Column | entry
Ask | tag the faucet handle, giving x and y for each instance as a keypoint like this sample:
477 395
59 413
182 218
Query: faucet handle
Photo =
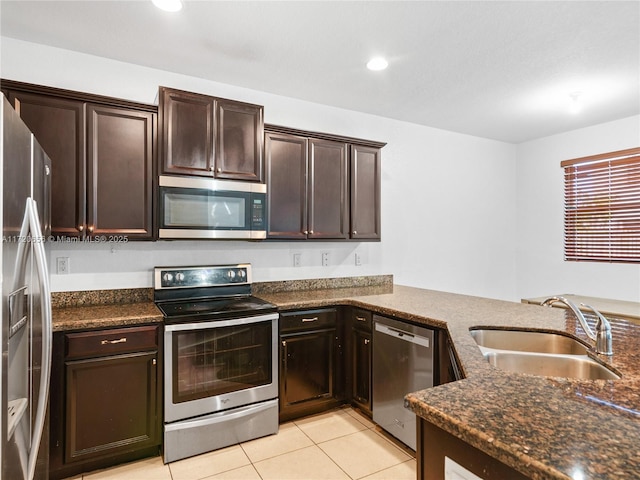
604 342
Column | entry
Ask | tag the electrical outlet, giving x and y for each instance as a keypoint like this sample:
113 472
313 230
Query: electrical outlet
358 259
297 259
62 265
325 259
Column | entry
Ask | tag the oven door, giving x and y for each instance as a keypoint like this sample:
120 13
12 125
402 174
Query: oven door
218 365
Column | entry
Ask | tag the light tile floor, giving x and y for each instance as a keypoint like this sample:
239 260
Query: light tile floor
340 444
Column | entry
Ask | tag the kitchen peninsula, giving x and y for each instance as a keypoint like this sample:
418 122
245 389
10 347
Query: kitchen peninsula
543 428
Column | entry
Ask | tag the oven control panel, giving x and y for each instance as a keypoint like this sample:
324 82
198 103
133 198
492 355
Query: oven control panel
207 276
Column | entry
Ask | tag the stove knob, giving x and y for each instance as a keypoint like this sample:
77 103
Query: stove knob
179 276
231 274
242 274
167 277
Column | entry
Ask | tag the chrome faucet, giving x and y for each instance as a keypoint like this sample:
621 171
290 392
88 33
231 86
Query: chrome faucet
602 337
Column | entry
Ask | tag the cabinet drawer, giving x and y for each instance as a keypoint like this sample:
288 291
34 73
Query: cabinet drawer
362 319
307 320
110 342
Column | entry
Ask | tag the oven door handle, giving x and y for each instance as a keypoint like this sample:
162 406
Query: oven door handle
179 327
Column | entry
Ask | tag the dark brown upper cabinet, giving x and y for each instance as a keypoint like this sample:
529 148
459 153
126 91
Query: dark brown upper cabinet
211 137
239 152
287 166
119 171
102 154
59 126
328 201
321 186
307 187
365 192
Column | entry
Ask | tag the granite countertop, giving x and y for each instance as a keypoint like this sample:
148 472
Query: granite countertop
546 428
103 309
104 316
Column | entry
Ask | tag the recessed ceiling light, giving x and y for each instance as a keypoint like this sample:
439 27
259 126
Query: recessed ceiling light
377 63
575 106
168 5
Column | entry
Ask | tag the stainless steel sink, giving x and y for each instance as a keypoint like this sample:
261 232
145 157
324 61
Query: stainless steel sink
550 365
539 353
525 341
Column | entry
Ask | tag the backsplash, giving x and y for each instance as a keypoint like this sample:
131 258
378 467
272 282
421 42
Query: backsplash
88 298
321 284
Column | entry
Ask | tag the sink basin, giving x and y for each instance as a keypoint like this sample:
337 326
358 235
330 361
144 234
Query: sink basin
524 341
550 365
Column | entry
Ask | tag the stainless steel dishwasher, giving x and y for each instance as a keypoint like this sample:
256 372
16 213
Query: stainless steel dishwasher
402 363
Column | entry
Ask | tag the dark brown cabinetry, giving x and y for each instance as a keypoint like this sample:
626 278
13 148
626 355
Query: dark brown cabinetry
434 444
361 349
310 358
307 185
211 137
105 398
119 171
102 156
365 192
321 186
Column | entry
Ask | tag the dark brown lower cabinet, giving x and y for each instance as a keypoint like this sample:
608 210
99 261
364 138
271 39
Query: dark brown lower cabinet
310 362
434 444
105 399
361 351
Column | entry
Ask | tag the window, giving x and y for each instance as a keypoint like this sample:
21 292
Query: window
602 207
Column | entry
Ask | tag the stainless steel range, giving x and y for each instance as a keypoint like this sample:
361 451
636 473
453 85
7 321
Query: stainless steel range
220 359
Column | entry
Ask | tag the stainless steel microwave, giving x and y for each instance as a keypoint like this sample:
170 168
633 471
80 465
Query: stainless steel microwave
203 208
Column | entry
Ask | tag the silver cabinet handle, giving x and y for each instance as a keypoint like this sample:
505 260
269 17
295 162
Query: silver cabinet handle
361 319
109 342
304 320
219 169
80 228
90 229
355 233
366 341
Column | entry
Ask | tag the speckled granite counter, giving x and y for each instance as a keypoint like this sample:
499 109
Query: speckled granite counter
103 309
546 428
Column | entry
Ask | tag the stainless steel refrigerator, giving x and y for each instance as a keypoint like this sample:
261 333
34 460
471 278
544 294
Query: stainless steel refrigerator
26 301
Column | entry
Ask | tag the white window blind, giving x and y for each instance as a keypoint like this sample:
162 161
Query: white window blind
602 207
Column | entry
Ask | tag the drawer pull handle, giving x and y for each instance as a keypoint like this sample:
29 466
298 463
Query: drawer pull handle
108 342
361 319
304 320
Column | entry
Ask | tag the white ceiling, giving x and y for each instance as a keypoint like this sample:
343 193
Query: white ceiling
500 70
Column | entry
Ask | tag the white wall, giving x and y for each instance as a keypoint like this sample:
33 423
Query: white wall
448 210
540 266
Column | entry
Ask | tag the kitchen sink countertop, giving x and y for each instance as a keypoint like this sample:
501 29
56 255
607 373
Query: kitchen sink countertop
544 427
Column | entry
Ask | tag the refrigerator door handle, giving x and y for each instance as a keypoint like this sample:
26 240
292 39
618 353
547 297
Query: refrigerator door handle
45 289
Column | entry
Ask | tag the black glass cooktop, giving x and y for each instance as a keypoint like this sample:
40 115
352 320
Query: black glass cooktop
214 308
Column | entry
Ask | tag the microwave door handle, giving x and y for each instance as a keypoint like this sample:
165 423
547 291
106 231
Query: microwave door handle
45 299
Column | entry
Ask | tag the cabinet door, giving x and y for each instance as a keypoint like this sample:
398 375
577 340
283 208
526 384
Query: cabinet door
361 364
365 192
307 367
328 189
286 165
112 405
120 172
59 126
240 129
188 127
